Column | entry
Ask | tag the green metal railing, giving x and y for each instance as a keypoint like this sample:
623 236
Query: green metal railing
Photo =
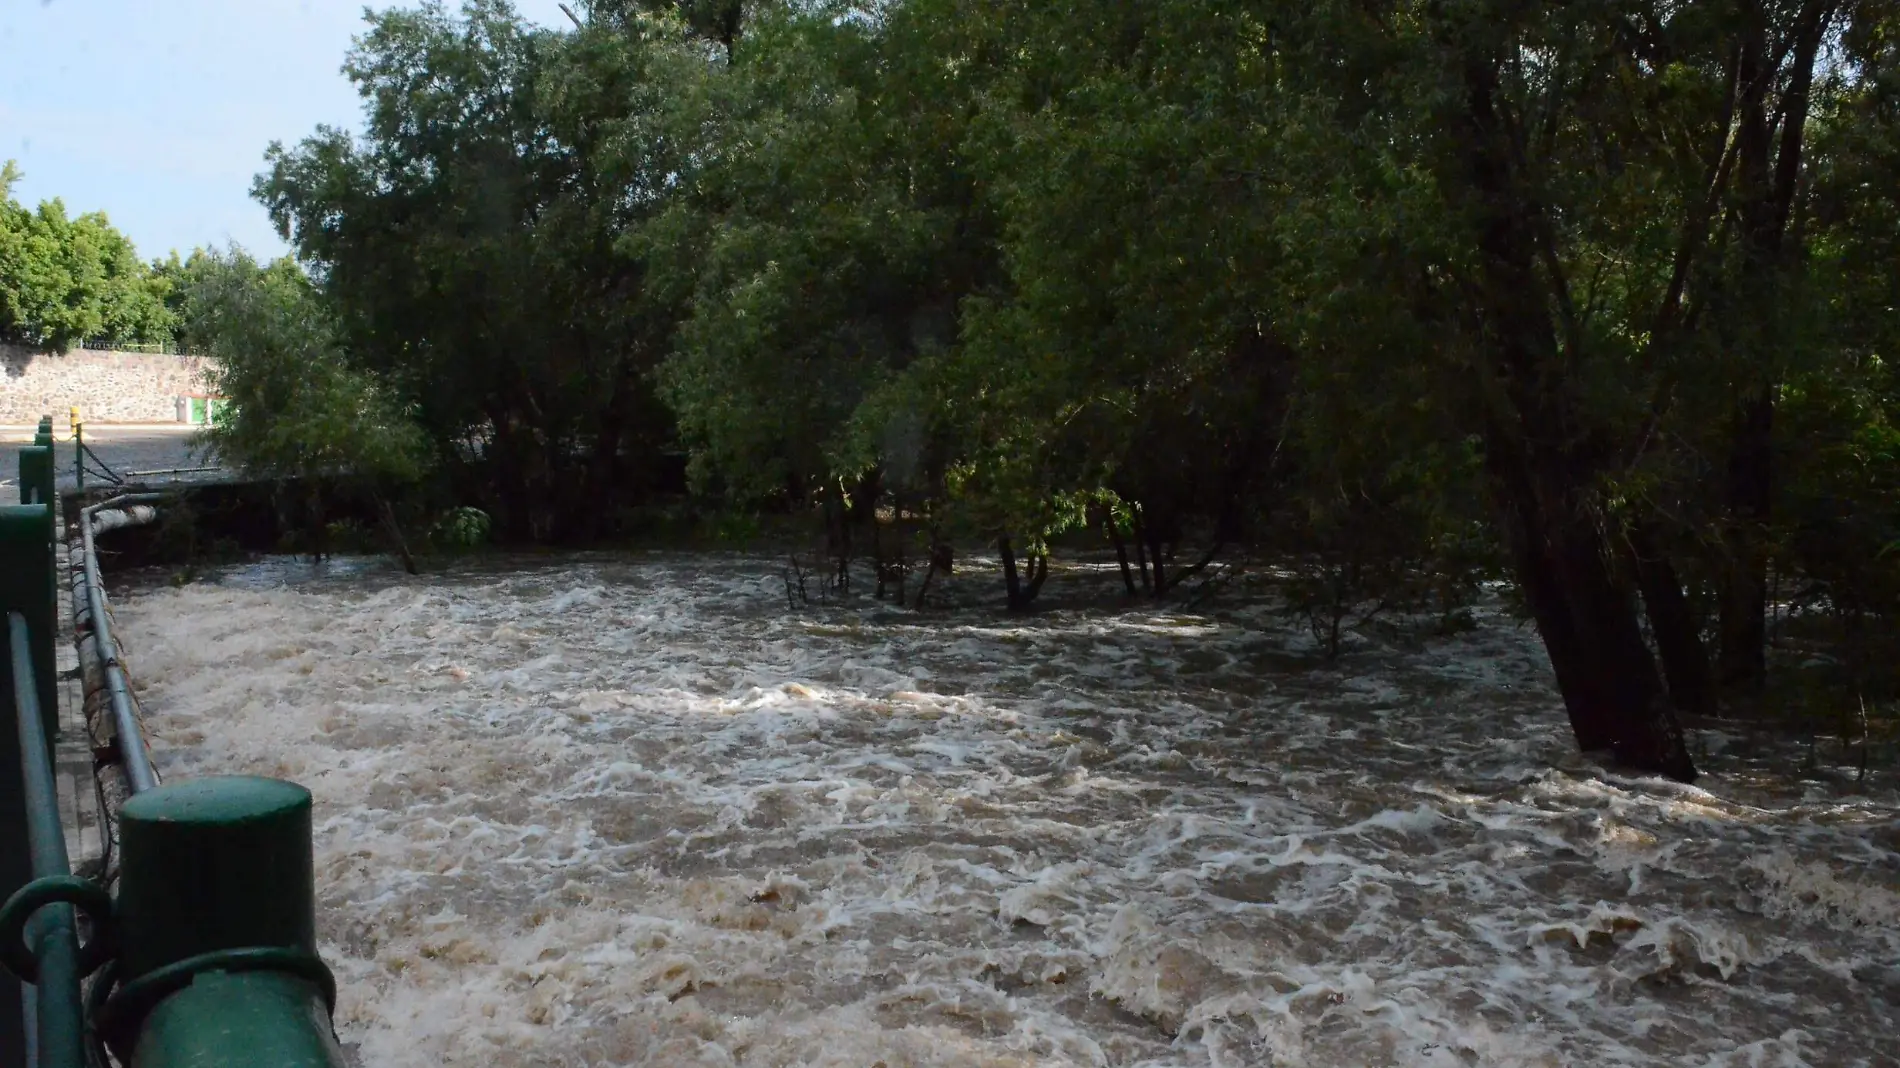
55 1030
206 955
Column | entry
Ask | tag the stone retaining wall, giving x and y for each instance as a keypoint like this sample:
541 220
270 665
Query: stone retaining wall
108 387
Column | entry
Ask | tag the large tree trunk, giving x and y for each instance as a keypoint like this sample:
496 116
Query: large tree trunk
319 523
1685 664
903 569
862 512
1742 600
504 457
1021 594
1540 577
1544 458
1767 176
1743 604
603 477
1038 574
942 558
1121 554
879 567
1012 584
837 536
1605 673
1148 539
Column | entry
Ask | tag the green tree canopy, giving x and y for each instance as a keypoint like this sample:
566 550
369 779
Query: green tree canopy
295 404
64 280
1607 288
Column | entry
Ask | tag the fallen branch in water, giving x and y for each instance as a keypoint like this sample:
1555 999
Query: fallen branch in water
1221 577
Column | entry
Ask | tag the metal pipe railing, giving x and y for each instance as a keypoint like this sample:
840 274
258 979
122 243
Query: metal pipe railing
56 1029
134 760
174 471
207 957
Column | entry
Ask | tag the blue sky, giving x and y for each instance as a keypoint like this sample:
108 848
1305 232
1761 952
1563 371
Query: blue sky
158 112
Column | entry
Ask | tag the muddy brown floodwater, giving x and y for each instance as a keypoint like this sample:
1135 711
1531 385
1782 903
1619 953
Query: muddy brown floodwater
632 810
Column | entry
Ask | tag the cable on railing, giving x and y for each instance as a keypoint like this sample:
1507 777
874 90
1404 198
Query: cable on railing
98 467
82 453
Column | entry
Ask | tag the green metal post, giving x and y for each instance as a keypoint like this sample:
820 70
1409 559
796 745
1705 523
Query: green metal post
61 1026
26 560
217 908
79 455
27 587
232 1019
42 439
36 474
16 862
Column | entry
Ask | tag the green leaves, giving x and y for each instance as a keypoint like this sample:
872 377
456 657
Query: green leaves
296 405
825 239
66 280
1325 275
479 246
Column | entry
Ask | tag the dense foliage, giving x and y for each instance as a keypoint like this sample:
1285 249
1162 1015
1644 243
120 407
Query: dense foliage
297 409
1599 294
67 280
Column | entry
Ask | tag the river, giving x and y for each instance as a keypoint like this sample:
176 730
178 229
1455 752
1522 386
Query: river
634 810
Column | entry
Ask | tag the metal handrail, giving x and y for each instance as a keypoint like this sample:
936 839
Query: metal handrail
174 471
134 759
57 1028
206 952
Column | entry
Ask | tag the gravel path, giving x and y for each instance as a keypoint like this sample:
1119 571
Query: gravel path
122 449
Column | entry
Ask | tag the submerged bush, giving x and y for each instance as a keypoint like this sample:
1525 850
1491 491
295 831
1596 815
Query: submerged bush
461 528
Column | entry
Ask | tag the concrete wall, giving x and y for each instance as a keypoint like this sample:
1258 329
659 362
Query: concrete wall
108 387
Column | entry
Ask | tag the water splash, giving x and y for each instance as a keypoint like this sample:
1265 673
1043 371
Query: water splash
631 811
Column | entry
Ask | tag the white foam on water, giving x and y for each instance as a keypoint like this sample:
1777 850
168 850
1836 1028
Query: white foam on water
1813 891
631 811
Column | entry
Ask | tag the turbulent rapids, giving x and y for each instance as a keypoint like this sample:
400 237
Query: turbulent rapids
633 811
